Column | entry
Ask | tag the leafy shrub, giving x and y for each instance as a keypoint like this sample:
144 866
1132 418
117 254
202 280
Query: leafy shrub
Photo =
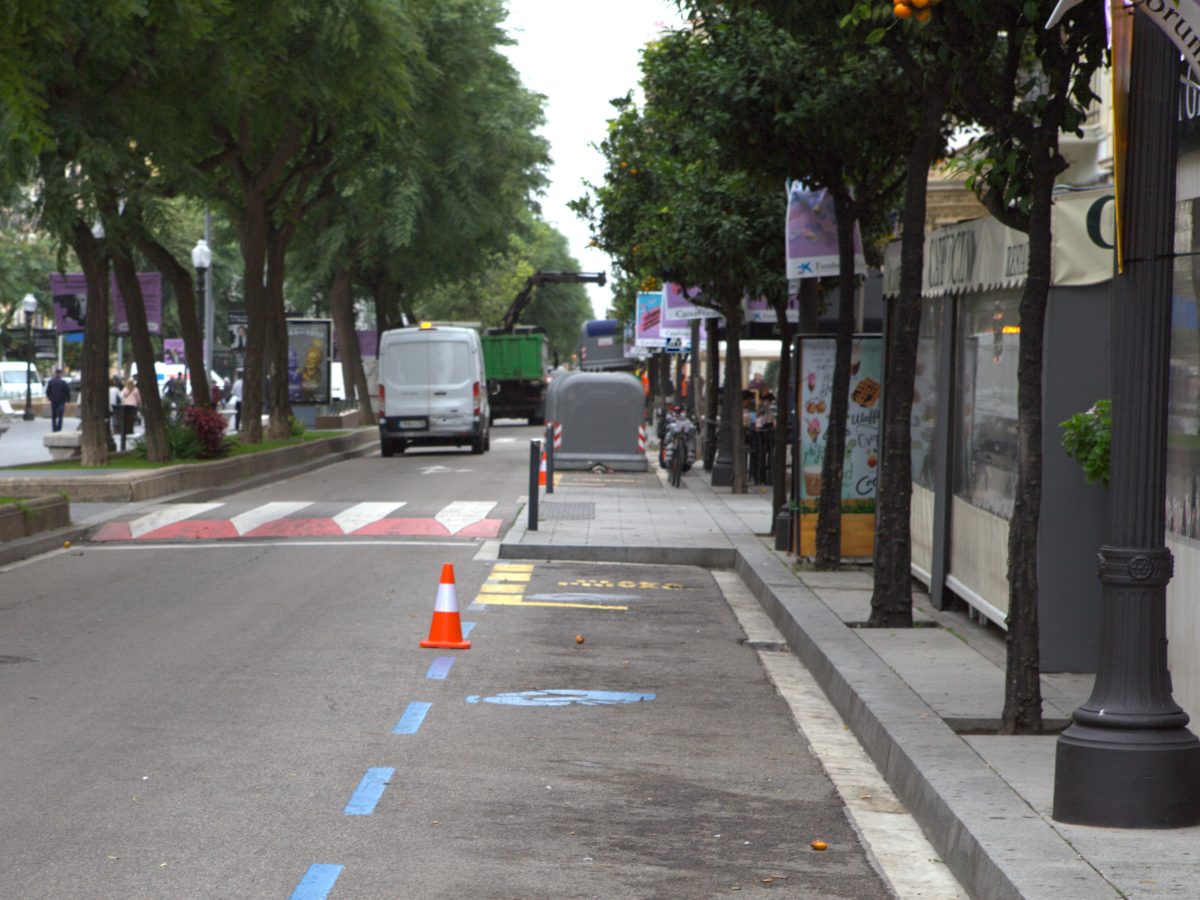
196 434
297 427
208 425
1087 438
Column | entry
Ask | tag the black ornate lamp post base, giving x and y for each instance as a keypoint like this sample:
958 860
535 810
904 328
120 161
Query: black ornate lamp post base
1121 778
1128 759
722 473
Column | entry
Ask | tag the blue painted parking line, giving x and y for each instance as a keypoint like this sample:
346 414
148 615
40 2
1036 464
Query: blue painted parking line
412 718
440 668
466 629
370 789
317 882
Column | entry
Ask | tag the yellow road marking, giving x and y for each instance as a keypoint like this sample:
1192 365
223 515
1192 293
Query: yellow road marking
501 600
512 567
488 588
500 577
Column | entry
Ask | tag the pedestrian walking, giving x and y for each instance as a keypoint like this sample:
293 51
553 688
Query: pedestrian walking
130 396
58 392
237 401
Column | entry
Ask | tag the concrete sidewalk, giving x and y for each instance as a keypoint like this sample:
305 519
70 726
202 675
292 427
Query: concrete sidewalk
921 701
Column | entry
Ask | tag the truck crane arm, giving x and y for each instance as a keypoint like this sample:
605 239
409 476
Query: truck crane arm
526 292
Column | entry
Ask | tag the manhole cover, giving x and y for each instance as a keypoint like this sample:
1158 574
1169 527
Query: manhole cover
566 510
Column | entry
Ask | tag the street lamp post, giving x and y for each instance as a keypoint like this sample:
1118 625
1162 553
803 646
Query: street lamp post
1128 759
202 261
29 304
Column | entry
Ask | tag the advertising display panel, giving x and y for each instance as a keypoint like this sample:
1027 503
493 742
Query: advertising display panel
308 360
70 295
816 357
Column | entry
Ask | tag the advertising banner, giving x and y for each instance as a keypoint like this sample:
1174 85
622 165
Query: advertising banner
761 311
308 360
648 320
70 295
680 306
817 358
812 247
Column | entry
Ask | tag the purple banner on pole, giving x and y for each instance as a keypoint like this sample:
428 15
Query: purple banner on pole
70 295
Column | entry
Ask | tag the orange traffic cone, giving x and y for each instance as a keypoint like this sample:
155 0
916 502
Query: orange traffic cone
542 471
445 632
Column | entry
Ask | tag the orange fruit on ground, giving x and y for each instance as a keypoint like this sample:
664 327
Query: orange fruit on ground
579 638
819 845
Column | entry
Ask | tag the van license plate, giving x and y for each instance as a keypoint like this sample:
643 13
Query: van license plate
412 423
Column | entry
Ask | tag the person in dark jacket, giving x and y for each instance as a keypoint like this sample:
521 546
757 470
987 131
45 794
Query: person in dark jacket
58 392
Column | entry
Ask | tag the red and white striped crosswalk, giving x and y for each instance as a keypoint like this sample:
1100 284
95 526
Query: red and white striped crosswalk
304 518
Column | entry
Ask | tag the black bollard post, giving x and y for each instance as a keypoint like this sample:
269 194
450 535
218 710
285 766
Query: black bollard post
535 458
549 457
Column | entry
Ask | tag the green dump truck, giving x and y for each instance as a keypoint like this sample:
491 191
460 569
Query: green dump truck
516 364
517 358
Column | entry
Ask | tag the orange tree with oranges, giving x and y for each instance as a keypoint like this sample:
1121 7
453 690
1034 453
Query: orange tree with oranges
798 96
1024 85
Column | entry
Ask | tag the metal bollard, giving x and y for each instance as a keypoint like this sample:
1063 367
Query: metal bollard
549 457
535 458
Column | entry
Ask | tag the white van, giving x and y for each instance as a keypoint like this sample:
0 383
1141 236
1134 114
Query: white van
432 389
12 381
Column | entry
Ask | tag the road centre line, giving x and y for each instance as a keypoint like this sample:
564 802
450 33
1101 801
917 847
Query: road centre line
317 882
368 792
412 718
440 668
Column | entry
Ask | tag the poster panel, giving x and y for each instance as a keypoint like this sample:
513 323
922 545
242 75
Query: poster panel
859 473
308 360
760 310
680 305
812 249
70 296
648 320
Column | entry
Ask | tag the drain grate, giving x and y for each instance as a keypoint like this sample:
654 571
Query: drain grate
566 510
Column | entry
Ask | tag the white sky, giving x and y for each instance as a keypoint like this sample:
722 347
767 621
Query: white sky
581 55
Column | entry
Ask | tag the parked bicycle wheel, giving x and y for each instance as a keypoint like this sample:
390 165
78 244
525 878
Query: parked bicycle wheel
679 452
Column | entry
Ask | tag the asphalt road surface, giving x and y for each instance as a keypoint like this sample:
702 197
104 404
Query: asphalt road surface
240 712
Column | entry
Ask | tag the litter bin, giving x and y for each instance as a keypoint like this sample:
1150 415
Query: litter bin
124 420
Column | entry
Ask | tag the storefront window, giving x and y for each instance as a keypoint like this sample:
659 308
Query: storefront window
989 336
924 407
1183 409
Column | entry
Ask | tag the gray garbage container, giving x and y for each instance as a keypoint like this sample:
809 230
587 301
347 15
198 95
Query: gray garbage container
601 414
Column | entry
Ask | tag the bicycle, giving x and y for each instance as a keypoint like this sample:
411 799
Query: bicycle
679 445
679 452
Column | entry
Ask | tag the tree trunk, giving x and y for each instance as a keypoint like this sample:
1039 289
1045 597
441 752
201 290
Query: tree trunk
733 386
280 426
253 240
93 401
183 286
341 306
712 406
829 516
157 448
891 599
782 405
1022 684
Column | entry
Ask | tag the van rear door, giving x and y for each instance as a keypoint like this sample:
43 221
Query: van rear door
406 383
450 380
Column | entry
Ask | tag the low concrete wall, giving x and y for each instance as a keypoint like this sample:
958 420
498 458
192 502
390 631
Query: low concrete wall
348 419
129 485
18 520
